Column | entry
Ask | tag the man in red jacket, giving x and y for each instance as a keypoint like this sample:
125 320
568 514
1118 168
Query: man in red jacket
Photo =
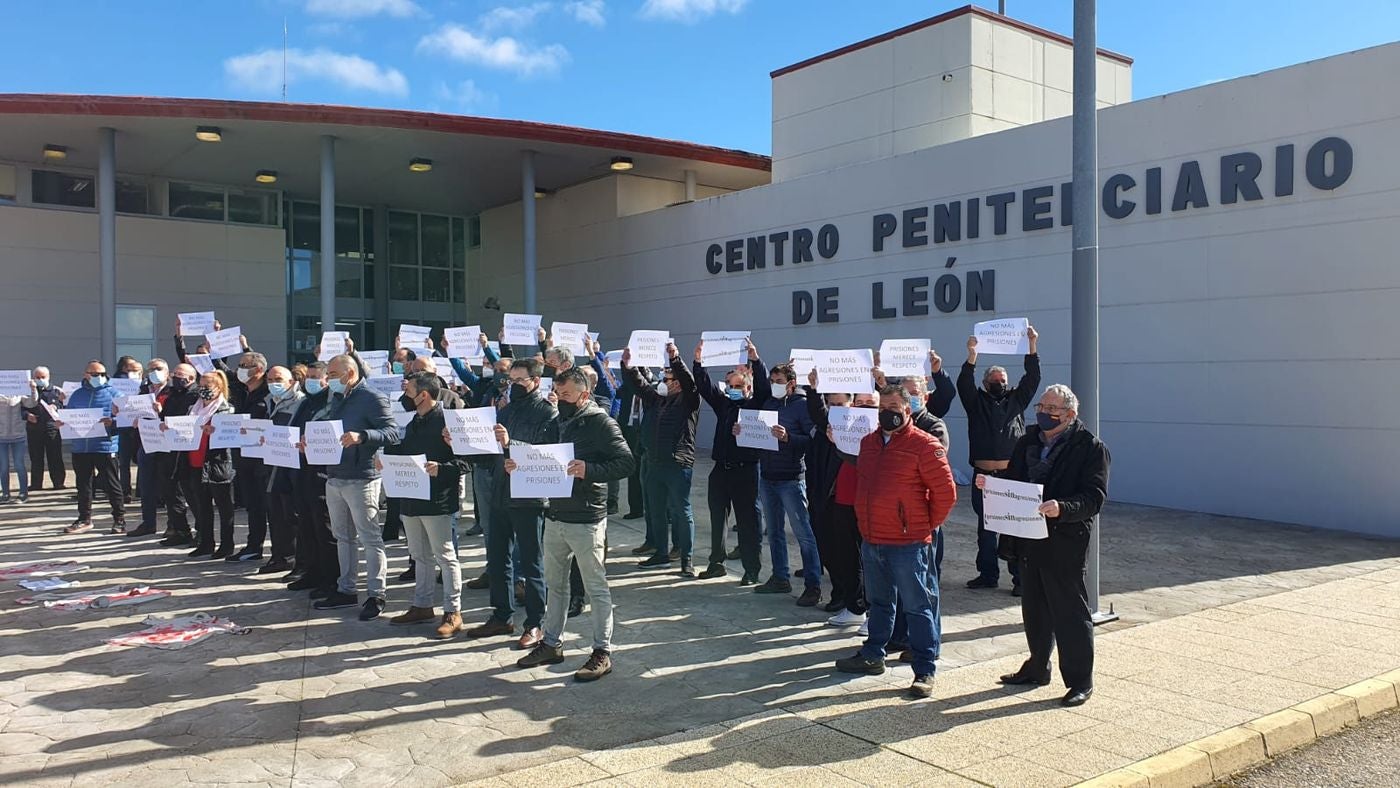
904 492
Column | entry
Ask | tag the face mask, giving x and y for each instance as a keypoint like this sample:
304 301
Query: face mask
41 383
179 384
155 377
662 390
407 403
1046 421
997 389
917 405
567 409
337 386
397 367
891 420
314 385
207 393
97 381
244 374
518 391
735 394
277 389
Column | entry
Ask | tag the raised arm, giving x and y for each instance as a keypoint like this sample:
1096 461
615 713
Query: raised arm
967 383
1029 382
709 391
634 378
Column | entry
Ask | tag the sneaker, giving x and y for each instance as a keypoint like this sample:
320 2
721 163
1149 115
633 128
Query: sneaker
982 581
24 498
687 570
415 615
575 607
810 597
655 561
748 580
599 664
775 585
6 499
834 606
846 619
543 654
859 664
713 571
275 566
373 608
336 600
246 554
491 628
450 625
478 583
145 530
117 529
675 554
922 686
645 548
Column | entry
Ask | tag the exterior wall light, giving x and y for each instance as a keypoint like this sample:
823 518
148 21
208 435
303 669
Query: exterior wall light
55 152
420 165
266 176
621 164
209 134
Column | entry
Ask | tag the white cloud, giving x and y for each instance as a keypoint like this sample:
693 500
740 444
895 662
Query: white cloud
512 17
589 12
359 9
467 96
689 10
261 72
504 53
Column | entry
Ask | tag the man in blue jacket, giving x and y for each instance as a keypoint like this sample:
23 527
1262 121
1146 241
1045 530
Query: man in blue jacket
96 457
782 489
352 487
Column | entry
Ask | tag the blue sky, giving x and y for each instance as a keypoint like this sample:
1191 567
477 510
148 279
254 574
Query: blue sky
685 69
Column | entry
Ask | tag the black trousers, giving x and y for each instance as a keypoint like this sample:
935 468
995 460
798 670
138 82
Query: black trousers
282 520
316 555
251 478
841 555
126 455
1055 603
168 488
635 494
393 521
735 486
102 470
204 498
45 445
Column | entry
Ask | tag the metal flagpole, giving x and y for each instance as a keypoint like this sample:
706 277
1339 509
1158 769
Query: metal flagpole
1084 302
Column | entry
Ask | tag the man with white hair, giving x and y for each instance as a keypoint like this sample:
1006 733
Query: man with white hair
1071 464
45 444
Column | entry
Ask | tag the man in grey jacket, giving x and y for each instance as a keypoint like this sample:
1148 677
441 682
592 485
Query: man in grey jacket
352 487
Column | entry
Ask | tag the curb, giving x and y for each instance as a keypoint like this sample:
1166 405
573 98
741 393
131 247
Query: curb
1232 750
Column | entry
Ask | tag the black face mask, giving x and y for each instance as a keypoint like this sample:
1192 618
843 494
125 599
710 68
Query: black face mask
407 403
518 391
891 420
567 409
179 384
207 392
997 389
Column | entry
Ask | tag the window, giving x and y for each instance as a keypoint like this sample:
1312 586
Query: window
61 188
459 245
251 206
136 332
436 251
188 201
437 285
403 238
403 283
474 232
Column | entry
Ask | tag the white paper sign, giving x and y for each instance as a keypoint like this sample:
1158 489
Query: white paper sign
1005 337
333 343
445 370
756 429
406 476
473 431
724 348
125 387
901 358
280 447
614 358
130 409
376 360
228 430
463 341
540 471
201 362
70 386
14 383
592 336
801 362
79 423
390 386
252 437
196 324
225 343
648 348
1010 508
522 329
573 336
844 371
323 442
849 425
413 337
546 386
153 440
402 417
182 433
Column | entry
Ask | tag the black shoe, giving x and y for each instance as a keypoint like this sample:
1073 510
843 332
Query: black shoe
145 530
922 687
475 530
409 575
336 600
176 540
202 551
632 516
292 576
612 508
373 607
810 597
713 571
982 581
859 664
733 555
24 498
303 584
246 554
1023 677
226 552
645 548
1016 590
575 607
1077 697
321 592
748 580
655 561
834 606
687 570
675 554
799 572
478 583
274 566
775 585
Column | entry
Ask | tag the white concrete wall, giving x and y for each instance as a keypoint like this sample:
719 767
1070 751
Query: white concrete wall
1247 348
49 304
892 97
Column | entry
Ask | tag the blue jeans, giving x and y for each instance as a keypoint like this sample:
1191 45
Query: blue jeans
668 510
902 575
899 640
514 529
483 485
790 498
12 452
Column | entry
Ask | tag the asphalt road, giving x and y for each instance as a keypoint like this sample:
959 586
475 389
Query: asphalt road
1366 755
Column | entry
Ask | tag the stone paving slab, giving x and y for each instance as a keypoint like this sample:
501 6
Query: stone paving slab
1223 621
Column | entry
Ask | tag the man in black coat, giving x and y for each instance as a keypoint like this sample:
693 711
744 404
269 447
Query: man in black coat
578 526
45 444
317 563
1071 464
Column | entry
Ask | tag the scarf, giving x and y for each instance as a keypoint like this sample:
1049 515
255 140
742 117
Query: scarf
1038 468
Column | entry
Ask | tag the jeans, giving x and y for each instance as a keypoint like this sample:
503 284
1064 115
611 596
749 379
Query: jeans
523 528
902 574
126 454
790 498
668 511
735 486
429 541
102 468
483 486
585 543
354 507
987 563
900 639
12 453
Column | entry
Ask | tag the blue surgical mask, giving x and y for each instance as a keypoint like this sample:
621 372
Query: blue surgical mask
917 405
1046 421
735 394
41 383
337 386
397 367
155 377
97 381
314 385
277 389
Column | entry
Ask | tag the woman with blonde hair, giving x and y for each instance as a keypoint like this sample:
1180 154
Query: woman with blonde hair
206 474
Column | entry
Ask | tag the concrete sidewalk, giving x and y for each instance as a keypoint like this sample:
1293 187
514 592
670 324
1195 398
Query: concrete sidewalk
1224 621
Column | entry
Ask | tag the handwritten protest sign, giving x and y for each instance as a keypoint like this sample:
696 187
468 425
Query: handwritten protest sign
376 360
900 358
1010 508
1006 336
850 425
125 387
724 348
540 471
80 423
323 442
14 383
333 343
648 348
521 329
406 476
573 336
225 343
228 430
196 324
844 371
280 447
473 431
756 429
445 370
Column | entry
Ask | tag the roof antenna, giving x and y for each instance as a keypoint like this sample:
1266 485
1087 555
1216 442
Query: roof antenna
284 59
1001 7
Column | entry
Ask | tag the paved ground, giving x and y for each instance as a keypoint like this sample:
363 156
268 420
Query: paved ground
1366 756
1223 620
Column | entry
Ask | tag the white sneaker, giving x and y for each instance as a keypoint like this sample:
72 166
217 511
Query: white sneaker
864 630
846 619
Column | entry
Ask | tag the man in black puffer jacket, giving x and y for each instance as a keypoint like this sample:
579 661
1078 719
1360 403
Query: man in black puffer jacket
528 419
579 523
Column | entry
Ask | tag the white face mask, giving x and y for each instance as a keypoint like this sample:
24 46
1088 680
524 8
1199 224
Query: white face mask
244 374
661 388
132 375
